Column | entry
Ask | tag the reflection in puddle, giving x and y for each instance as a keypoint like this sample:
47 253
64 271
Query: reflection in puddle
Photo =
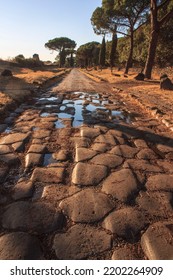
44 114
48 159
59 124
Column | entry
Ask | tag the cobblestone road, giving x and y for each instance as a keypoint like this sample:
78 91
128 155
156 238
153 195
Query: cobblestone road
85 175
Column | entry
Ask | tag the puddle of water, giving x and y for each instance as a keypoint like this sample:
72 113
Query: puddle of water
48 98
45 114
8 129
64 116
59 124
48 159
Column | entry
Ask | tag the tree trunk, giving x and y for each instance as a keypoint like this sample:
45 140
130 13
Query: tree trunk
113 50
151 54
130 57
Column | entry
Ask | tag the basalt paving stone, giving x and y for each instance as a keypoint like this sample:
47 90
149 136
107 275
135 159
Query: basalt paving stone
14 137
80 142
142 165
48 175
157 241
106 139
40 134
23 189
80 242
108 160
61 155
87 206
147 154
160 182
37 217
4 149
156 203
121 185
84 154
125 253
10 159
85 174
166 165
54 193
20 246
89 132
139 143
165 148
126 222
37 148
2 127
33 159
100 147
124 151
18 147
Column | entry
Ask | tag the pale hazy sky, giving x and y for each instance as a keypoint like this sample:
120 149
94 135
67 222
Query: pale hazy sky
26 25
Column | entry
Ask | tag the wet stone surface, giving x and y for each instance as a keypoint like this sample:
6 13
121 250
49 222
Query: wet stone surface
81 178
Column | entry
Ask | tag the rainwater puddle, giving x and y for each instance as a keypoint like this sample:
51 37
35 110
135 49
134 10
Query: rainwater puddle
59 124
44 114
48 159
8 129
52 98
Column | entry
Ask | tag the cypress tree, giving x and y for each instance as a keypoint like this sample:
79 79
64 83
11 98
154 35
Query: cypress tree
102 54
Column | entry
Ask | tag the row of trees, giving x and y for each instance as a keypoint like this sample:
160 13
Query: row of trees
126 17
139 22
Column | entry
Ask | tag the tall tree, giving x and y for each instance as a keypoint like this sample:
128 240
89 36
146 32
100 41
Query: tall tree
61 45
156 24
129 15
88 54
102 53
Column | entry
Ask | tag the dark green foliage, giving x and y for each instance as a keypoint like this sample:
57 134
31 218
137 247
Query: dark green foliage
62 45
102 54
88 54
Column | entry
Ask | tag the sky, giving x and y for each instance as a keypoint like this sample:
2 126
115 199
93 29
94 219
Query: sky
26 25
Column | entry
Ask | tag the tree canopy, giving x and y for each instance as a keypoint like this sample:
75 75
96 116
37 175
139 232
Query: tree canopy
62 45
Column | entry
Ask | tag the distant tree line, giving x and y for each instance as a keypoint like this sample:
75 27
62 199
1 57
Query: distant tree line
141 34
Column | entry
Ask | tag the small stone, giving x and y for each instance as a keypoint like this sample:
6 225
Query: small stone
89 132
40 134
166 165
126 222
105 139
121 185
139 143
164 148
100 147
124 151
142 165
48 175
125 253
108 160
14 137
147 154
86 206
88 174
56 193
4 149
37 148
84 154
161 182
33 159
19 246
37 217
157 241
18 147
62 155
156 203
23 189
80 242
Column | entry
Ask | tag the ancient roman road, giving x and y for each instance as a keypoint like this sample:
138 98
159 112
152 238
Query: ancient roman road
85 174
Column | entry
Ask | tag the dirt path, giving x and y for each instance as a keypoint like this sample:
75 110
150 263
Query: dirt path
85 176
77 81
